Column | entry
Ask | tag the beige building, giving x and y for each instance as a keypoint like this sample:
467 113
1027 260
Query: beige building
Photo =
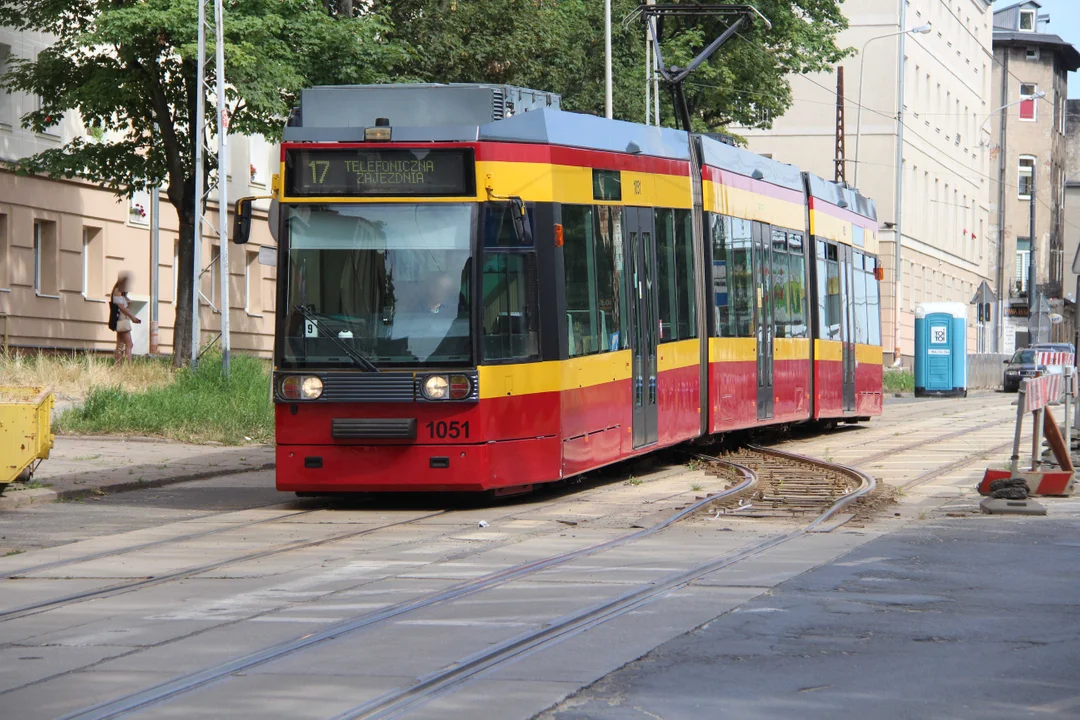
947 250
1072 207
1028 146
63 243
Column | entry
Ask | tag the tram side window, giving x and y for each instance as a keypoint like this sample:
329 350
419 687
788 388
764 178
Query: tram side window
797 286
720 228
862 333
781 313
741 278
684 262
829 310
665 271
873 301
510 316
732 280
579 260
610 285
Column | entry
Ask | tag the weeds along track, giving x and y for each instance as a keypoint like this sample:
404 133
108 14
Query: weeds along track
744 479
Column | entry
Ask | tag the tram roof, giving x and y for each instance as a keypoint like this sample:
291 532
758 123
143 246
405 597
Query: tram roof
833 193
559 127
744 162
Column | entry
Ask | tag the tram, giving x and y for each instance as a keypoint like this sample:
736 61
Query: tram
479 291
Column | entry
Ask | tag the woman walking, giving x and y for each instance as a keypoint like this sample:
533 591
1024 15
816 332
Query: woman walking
120 318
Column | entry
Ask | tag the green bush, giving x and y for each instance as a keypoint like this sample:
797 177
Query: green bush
896 381
197 406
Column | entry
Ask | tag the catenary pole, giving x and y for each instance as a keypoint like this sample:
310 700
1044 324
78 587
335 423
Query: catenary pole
223 181
607 59
200 121
899 230
155 249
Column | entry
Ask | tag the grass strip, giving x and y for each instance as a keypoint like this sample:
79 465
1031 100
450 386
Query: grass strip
898 380
197 406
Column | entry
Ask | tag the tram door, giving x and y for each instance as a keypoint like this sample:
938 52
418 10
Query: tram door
644 321
847 303
763 316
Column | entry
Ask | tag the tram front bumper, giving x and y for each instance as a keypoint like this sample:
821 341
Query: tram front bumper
417 468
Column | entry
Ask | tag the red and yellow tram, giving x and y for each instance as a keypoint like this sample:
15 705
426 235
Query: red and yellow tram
497 305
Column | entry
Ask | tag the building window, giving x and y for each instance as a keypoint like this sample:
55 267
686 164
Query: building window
1023 263
1025 177
139 208
175 270
5 280
252 284
1027 20
1033 54
46 259
259 155
7 108
1029 109
93 263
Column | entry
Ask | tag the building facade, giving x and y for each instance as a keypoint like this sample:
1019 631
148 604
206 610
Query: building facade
64 242
1072 210
946 249
1028 147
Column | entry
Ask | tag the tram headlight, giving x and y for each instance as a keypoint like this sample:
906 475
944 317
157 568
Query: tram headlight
301 387
311 388
436 387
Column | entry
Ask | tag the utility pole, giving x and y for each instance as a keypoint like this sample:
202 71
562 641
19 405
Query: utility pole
648 76
898 236
651 29
1033 272
200 191
607 59
155 249
223 181
841 161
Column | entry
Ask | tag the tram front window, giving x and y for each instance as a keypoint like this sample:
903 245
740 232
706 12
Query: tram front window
390 282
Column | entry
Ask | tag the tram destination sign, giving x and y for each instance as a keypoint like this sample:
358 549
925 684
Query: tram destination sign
378 172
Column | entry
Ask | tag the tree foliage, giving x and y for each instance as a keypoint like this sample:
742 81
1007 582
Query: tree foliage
558 45
128 69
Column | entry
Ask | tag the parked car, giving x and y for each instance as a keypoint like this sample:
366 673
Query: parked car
1018 367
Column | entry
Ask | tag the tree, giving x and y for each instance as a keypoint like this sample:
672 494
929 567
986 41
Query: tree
558 45
128 69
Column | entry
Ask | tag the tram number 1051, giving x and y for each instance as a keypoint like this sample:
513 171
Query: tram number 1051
443 430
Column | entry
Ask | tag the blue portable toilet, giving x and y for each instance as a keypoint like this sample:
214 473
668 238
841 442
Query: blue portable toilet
941 349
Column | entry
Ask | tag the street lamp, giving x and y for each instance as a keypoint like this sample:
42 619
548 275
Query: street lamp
1023 98
921 30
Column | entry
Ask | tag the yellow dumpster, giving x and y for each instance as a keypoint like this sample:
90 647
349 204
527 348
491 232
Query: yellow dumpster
25 431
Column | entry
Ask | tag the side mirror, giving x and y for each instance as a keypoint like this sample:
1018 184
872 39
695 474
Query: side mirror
520 217
1005 362
241 231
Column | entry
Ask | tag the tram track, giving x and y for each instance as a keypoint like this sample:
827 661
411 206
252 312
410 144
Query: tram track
188 683
144 582
52 565
572 624
445 680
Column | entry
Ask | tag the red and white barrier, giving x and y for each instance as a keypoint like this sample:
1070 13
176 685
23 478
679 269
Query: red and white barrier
1042 390
1049 357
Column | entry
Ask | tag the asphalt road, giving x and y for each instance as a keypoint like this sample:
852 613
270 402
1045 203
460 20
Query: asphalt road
972 618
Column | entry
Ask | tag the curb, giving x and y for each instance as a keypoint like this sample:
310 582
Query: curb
23 498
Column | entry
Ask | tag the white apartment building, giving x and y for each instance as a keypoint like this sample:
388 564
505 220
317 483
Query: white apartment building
947 250
63 243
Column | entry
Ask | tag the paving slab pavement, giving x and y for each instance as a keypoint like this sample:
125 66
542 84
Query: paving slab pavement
960 618
81 466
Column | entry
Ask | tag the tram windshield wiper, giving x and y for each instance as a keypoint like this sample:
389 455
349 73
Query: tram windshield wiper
352 352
